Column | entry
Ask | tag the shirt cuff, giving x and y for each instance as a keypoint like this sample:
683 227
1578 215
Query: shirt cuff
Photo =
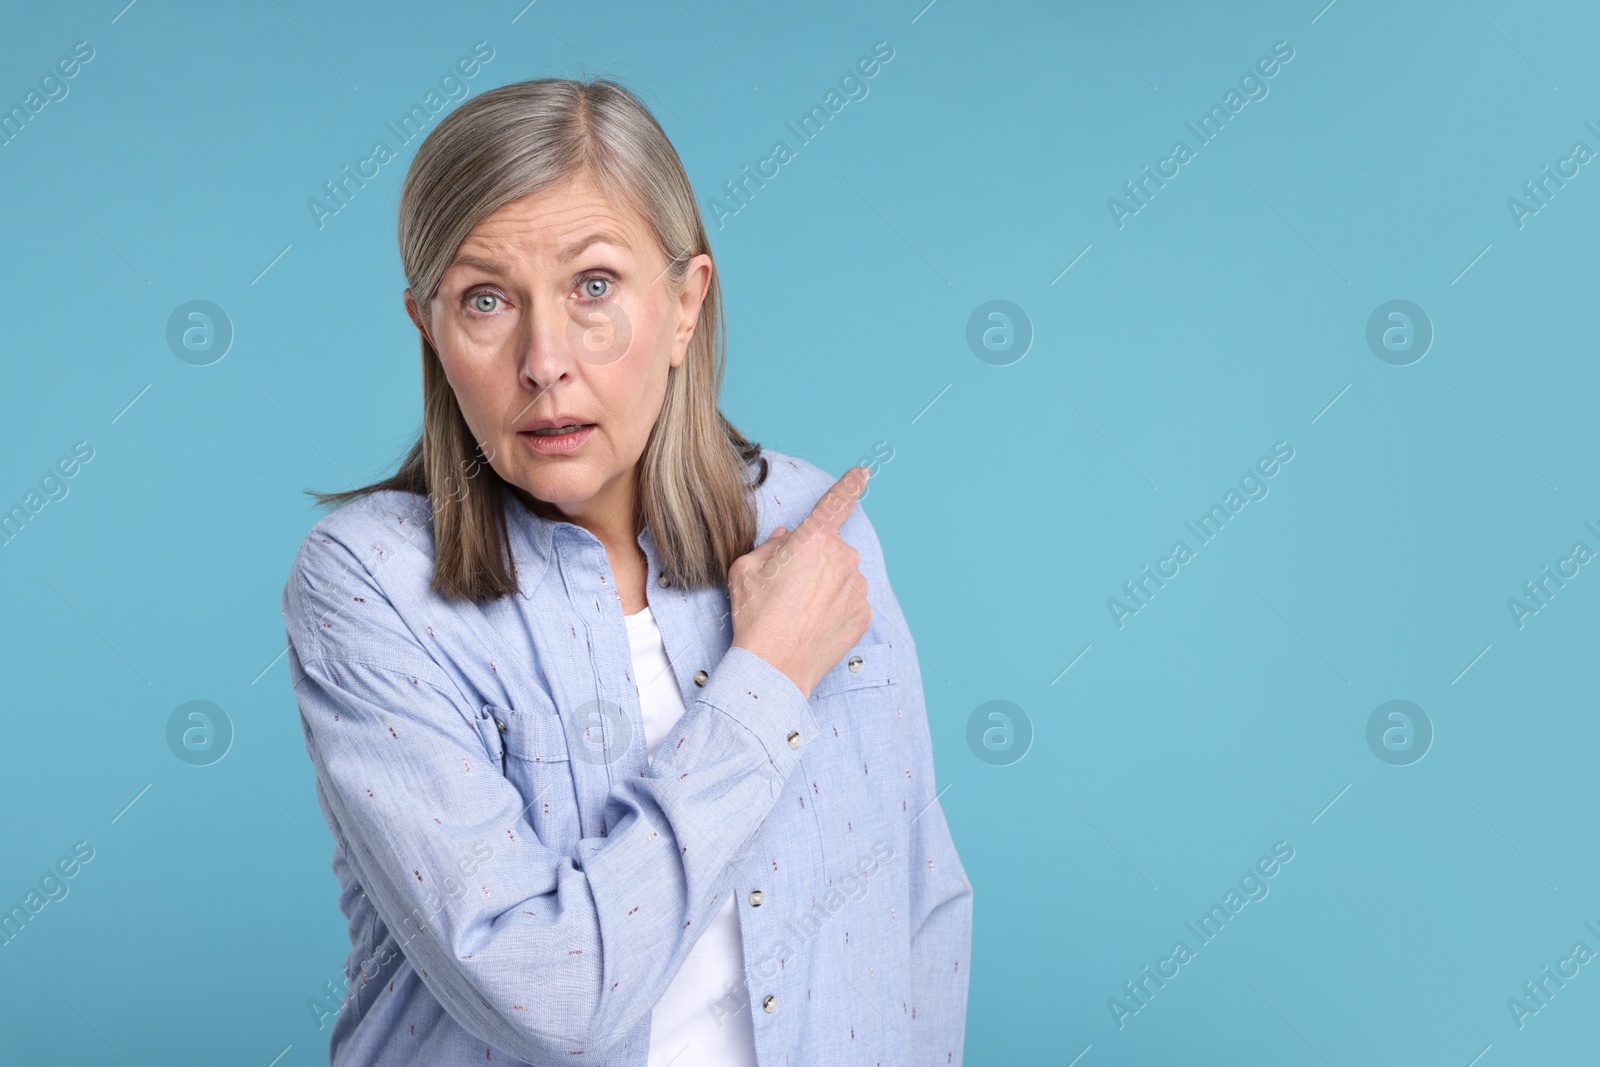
765 701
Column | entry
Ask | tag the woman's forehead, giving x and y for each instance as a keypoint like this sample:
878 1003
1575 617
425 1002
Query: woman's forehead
557 224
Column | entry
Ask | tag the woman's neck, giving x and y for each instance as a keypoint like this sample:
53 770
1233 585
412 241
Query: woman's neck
610 517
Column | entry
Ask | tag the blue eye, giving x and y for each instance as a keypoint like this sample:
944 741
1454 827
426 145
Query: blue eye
485 302
587 291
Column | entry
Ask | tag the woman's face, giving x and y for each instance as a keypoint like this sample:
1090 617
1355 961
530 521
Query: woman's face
556 311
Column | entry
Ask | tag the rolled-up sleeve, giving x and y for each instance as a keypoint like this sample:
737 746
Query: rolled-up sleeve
940 896
545 953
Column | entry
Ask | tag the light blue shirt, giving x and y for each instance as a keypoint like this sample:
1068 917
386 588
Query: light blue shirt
522 882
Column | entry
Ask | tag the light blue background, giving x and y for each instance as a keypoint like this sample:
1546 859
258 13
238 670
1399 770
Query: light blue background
1223 317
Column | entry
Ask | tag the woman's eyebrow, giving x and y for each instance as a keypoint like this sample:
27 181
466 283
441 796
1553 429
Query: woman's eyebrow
482 264
576 248
570 252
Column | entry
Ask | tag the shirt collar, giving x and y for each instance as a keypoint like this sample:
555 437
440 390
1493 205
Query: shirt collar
535 539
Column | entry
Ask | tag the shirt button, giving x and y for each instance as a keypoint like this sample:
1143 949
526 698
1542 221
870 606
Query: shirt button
501 724
663 581
769 1003
756 898
701 677
794 739
855 664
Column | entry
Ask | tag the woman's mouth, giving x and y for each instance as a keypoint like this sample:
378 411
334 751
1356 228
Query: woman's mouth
558 440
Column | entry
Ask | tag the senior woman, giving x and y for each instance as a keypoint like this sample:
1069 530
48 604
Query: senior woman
616 723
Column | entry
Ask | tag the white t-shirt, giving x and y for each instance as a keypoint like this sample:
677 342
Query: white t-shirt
685 1017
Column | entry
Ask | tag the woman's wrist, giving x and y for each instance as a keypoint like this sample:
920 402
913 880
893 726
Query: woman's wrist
782 663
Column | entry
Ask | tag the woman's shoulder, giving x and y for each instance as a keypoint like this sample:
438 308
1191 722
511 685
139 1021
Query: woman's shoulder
792 489
790 493
794 474
375 545
374 521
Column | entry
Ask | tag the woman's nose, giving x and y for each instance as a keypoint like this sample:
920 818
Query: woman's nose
546 345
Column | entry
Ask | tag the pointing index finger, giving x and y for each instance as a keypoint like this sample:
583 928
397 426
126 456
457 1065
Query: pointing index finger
835 505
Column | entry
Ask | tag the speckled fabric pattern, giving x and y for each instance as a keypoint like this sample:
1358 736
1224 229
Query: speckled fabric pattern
522 883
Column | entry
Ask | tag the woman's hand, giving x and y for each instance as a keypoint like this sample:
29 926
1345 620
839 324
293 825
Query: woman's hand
799 599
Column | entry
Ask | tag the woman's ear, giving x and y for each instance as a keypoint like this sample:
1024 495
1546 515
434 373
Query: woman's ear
416 317
690 297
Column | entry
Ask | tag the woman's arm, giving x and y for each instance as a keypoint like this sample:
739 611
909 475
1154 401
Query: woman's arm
545 954
941 898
